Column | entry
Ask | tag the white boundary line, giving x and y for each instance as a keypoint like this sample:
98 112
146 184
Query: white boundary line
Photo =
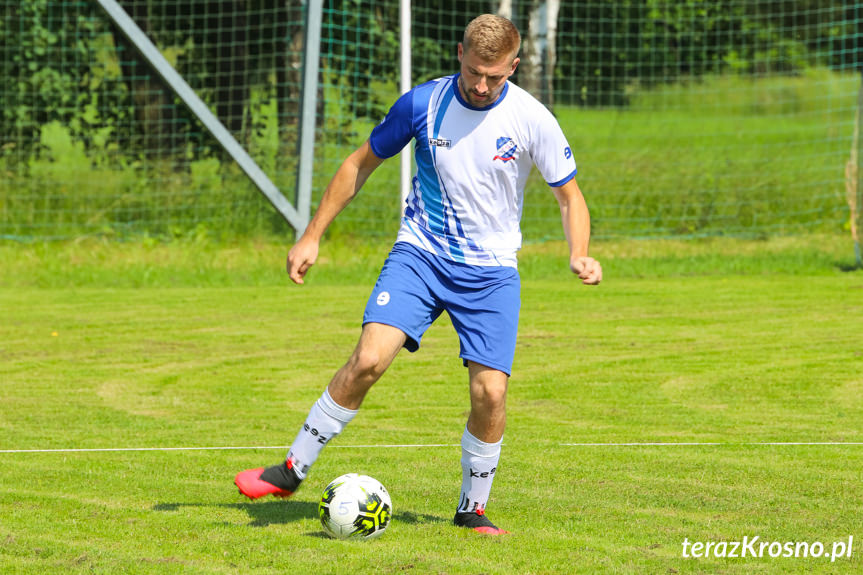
227 448
426 445
713 444
645 444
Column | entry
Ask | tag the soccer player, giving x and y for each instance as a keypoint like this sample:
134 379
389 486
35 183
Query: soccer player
477 136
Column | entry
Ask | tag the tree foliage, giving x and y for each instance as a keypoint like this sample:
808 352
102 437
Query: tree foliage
615 43
65 62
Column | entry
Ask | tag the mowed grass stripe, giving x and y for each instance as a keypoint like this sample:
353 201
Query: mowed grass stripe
744 364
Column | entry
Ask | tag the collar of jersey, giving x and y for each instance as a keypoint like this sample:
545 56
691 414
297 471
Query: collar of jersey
464 102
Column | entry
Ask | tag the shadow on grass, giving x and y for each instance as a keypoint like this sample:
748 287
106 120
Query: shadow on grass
418 518
845 267
407 517
263 513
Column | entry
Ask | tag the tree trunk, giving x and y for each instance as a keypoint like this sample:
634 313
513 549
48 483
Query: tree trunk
289 79
539 53
551 13
531 74
154 133
229 36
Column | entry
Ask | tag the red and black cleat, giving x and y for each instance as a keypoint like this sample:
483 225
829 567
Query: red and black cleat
478 522
278 481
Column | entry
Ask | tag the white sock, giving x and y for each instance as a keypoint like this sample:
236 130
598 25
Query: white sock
478 466
325 421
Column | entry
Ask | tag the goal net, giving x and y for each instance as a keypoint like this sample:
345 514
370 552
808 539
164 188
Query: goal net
687 118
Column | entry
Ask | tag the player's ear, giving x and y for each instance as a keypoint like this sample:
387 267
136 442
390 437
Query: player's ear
460 52
515 62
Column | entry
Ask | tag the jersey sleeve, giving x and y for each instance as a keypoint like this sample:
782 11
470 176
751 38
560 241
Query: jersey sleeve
552 153
396 130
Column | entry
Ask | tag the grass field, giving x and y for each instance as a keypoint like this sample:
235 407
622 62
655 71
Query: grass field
739 362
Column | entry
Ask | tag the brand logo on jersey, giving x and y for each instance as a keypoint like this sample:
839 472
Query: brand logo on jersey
567 153
383 298
440 142
506 149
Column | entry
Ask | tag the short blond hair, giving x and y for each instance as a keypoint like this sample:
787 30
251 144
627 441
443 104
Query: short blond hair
491 37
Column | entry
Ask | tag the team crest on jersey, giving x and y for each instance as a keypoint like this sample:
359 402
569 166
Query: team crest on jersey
506 149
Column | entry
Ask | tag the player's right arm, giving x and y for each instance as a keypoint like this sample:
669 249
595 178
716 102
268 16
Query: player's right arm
347 181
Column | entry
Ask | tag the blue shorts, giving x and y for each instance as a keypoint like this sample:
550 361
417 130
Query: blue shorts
483 302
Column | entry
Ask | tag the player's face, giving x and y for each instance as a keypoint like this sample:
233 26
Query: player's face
481 82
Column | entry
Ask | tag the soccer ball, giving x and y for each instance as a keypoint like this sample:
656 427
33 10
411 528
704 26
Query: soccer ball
355 507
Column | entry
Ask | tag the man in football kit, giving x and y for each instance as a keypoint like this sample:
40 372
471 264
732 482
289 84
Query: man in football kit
477 137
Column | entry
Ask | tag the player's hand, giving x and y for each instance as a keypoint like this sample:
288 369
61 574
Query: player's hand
587 269
301 257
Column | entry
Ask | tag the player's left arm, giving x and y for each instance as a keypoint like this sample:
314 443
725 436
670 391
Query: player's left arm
576 226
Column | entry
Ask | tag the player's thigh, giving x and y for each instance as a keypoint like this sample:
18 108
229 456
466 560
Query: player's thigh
487 321
403 296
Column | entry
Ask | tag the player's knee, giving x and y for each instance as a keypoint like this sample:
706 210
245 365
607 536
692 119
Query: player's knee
492 393
497 394
367 365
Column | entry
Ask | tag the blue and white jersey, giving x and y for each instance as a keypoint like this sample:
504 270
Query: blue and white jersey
472 165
